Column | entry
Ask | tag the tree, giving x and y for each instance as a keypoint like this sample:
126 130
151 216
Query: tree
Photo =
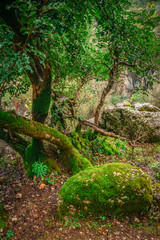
123 39
37 31
47 40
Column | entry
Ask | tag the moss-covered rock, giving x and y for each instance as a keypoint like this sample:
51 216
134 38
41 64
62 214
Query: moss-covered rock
114 189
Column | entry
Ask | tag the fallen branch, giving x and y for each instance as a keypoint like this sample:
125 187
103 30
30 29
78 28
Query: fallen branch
107 134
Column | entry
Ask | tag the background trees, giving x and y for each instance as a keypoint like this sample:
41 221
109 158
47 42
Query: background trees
124 39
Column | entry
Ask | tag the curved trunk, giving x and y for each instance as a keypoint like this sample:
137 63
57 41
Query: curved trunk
72 158
103 96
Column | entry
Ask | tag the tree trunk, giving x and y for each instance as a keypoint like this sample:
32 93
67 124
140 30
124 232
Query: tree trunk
15 141
41 98
73 160
104 93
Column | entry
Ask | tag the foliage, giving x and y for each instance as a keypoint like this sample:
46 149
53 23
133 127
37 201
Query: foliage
9 234
138 97
13 65
108 146
122 35
156 167
117 98
40 169
95 143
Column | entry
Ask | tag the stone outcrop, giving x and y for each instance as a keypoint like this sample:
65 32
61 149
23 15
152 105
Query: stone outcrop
132 121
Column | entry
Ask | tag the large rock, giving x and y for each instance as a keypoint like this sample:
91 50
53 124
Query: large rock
132 121
114 189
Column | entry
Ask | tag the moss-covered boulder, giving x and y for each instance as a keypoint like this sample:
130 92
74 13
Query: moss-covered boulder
111 189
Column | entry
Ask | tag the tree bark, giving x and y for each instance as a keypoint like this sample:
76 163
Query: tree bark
15 141
104 93
41 97
73 160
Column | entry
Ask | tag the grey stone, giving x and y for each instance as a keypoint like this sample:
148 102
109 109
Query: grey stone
132 121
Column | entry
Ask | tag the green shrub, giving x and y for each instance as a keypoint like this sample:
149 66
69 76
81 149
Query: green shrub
138 97
117 99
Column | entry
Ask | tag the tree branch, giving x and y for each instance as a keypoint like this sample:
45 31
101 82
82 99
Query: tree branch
126 64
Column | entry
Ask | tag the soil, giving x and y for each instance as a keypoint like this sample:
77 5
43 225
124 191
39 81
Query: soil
32 205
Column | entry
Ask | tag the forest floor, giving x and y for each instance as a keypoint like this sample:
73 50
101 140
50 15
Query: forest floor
31 204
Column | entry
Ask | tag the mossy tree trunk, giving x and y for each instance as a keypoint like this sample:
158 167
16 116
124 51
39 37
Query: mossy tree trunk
40 76
41 98
73 160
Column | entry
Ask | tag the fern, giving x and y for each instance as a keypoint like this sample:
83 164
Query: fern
40 169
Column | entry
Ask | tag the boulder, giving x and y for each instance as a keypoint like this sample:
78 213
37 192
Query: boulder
132 121
111 189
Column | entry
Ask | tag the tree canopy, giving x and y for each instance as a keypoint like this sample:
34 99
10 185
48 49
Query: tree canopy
48 43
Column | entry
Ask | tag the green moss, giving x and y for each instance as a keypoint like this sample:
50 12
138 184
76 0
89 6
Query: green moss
52 165
115 189
76 140
33 154
3 218
34 129
41 104
148 109
74 161
108 145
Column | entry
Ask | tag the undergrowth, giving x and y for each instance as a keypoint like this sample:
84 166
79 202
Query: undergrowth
92 145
